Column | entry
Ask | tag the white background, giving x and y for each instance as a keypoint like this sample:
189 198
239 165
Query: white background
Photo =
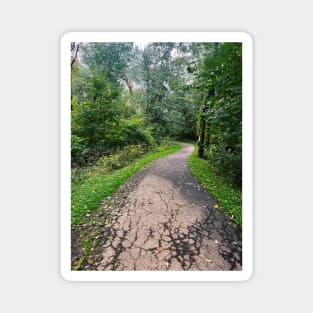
65 142
29 165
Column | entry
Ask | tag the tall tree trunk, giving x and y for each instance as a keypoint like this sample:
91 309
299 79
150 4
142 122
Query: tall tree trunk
201 132
204 130
74 51
207 135
75 48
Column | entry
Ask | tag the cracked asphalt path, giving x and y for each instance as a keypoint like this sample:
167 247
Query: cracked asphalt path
166 221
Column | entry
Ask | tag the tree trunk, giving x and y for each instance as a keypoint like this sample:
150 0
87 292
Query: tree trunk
129 85
201 133
207 135
74 56
204 131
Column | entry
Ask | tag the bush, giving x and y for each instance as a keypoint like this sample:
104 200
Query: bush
136 131
227 161
122 158
99 124
78 151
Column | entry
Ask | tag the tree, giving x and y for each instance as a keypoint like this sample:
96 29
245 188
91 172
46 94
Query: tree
74 53
111 59
123 94
220 74
204 126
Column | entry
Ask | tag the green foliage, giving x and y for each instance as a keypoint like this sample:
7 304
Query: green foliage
226 194
79 264
98 124
122 158
221 71
91 83
88 246
111 59
111 162
104 118
78 150
137 132
227 162
169 109
112 127
93 186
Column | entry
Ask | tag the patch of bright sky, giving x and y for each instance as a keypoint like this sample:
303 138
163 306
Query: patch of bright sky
174 53
141 45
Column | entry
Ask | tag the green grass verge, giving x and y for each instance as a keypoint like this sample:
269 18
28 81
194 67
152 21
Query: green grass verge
88 193
228 197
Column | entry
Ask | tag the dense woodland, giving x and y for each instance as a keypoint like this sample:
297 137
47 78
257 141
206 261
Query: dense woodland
133 96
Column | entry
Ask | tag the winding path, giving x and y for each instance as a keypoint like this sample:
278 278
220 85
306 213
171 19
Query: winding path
164 220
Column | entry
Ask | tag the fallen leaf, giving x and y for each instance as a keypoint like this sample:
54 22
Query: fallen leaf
215 206
159 249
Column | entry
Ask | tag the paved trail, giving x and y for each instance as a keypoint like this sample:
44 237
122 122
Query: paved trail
166 221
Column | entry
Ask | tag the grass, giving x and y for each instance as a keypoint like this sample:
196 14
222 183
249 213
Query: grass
90 191
87 246
80 262
228 197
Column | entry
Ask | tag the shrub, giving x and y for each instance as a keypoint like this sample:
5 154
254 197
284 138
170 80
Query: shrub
227 161
78 150
136 131
122 158
99 124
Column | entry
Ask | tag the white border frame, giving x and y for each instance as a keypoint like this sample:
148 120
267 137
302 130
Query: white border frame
247 157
